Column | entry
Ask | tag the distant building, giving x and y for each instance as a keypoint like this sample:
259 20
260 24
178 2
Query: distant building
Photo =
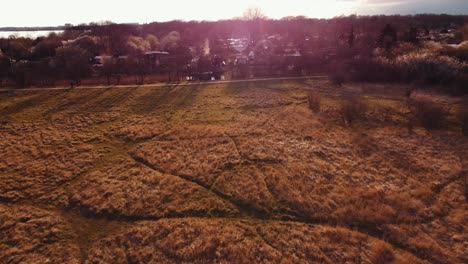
157 60
98 61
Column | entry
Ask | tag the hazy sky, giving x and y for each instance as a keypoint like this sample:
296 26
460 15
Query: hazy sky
59 12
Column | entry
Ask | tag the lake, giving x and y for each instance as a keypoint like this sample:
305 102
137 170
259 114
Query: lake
31 34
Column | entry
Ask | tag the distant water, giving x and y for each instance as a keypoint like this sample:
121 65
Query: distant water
31 34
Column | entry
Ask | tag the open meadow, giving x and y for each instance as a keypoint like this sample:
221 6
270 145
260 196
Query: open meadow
247 172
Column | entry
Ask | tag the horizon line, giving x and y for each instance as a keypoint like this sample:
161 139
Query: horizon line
100 23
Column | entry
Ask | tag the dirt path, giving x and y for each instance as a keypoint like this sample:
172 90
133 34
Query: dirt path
168 84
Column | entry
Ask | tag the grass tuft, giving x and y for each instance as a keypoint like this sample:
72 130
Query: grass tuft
314 102
428 114
352 108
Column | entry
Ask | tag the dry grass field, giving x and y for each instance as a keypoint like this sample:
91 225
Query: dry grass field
231 173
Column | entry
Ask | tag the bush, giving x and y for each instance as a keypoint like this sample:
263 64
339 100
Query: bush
369 69
338 72
460 53
427 67
352 108
337 78
408 92
314 102
429 115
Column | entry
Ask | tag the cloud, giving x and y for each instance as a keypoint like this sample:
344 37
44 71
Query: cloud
411 6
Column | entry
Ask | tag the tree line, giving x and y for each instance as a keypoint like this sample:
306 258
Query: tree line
323 44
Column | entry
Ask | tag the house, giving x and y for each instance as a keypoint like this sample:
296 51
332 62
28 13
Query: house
156 58
98 61
238 44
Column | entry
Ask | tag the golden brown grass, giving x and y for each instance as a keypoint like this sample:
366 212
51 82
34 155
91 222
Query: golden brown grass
32 235
223 241
198 160
232 173
35 159
246 185
131 190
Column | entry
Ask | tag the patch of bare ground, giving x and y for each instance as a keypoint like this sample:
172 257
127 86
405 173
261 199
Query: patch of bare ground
226 241
126 189
31 235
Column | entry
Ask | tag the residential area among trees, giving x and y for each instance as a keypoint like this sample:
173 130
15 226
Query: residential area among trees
422 48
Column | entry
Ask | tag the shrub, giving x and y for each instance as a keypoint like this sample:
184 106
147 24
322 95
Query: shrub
314 102
428 114
427 67
372 69
338 72
408 92
352 108
337 78
460 53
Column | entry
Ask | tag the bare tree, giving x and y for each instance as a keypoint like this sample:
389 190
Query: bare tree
91 44
170 41
465 32
74 63
255 20
254 14
109 68
137 45
5 68
153 42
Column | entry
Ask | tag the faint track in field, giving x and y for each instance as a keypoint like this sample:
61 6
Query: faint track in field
162 85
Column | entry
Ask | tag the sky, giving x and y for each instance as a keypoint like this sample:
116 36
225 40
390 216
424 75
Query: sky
59 12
